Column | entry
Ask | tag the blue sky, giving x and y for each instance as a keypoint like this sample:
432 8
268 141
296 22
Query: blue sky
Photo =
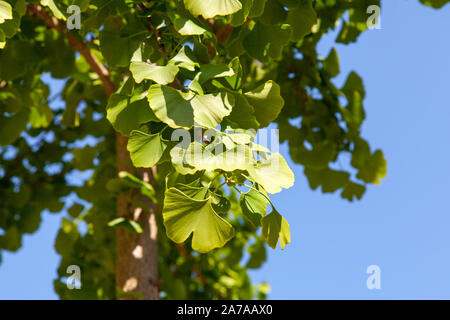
400 225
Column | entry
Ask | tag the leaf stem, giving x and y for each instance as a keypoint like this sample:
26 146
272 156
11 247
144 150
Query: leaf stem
220 186
235 188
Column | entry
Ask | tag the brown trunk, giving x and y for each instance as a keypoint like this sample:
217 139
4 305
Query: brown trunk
136 254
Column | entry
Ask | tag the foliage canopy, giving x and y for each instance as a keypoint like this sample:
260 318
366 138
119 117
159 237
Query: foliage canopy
215 68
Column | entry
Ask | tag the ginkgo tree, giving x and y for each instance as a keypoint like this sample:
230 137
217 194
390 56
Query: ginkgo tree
161 105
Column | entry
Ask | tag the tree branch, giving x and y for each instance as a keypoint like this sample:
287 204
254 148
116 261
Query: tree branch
152 28
53 23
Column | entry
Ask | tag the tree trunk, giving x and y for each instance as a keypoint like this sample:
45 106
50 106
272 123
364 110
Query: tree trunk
136 254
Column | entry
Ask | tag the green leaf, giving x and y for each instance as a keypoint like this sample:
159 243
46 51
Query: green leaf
194 190
5 11
210 109
302 19
71 118
184 59
257 8
84 157
159 74
10 27
220 203
435 3
184 216
274 228
130 225
254 206
198 157
41 116
11 240
318 158
211 8
13 65
330 180
171 106
54 8
353 190
212 71
183 110
355 94
135 182
272 174
127 181
83 4
349 33
235 80
258 255
12 127
290 3
21 7
331 63
61 65
2 39
374 168
267 41
67 237
267 102
240 16
117 50
242 116
75 210
146 149
273 14
187 27
127 111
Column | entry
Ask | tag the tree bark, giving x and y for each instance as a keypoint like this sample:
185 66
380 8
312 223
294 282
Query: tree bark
136 254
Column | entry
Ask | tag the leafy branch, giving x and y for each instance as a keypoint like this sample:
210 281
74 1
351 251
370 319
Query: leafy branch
103 73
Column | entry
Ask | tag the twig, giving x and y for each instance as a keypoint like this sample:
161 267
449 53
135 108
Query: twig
152 28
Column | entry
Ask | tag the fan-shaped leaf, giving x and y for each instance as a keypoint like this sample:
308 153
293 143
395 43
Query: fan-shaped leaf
184 216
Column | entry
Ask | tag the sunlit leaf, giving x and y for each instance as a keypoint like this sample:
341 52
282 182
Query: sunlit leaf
254 206
273 174
145 148
267 102
183 110
5 11
212 8
159 74
274 228
184 216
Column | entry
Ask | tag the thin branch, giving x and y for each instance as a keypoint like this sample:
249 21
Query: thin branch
51 22
158 38
152 28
